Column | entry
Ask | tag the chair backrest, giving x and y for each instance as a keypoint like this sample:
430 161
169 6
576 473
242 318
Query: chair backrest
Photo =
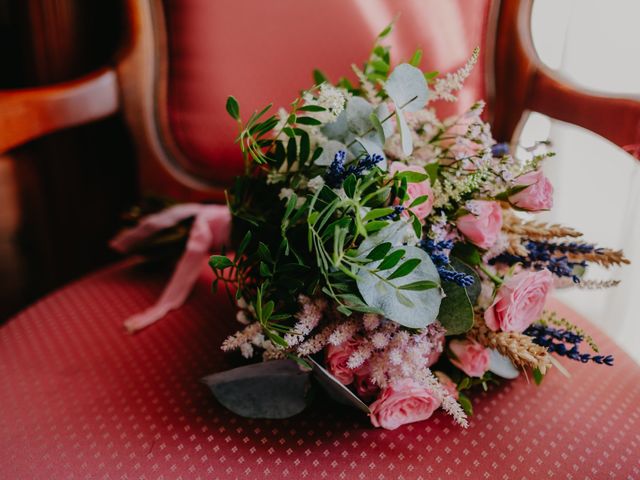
182 58
187 56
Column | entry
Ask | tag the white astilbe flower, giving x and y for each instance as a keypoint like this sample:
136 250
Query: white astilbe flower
361 355
371 321
246 349
242 337
316 183
379 340
308 318
333 99
453 82
242 317
285 193
343 332
367 87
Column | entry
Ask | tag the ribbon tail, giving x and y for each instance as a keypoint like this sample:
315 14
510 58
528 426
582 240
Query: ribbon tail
129 238
183 279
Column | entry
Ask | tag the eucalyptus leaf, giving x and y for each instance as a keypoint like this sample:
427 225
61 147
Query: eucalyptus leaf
501 365
405 134
338 129
456 311
410 308
358 115
383 112
335 389
473 290
329 151
407 87
396 233
274 389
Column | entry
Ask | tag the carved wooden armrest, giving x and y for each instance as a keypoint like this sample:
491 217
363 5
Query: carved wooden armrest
523 83
28 113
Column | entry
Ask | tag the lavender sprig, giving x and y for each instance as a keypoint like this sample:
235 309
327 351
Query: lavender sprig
545 336
337 172
439 253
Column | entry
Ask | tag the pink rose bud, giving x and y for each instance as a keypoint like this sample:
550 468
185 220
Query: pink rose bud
448 384
416 190
482 225
403 402
519 301
336 358
438 347
471 357
365 388
538 194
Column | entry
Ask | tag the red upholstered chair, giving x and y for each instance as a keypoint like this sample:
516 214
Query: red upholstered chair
80 399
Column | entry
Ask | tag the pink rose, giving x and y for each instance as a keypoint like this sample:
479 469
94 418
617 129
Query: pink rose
537 196
436 351
482 225
365 388
336 358
471 357
519 301
404 402
415 190
448 384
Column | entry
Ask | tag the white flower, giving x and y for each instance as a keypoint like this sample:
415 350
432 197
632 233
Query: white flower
242 317
285 193
247 350
316 183
332 99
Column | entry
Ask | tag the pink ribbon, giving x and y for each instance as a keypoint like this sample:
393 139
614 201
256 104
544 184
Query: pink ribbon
211 229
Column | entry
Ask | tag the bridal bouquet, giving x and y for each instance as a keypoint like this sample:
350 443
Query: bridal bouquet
389 255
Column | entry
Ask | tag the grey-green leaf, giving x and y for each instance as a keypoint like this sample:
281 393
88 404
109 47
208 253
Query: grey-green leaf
414 308
335 389
274 389
405 269
407 88
397 233
456 311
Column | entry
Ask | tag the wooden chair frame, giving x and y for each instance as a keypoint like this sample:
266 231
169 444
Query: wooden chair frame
136 84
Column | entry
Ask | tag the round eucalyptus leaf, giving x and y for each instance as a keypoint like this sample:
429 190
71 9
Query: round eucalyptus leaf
338 129
405 133
382 112
410 308
358 115
396 233
407 87
501 365
456 311
274 389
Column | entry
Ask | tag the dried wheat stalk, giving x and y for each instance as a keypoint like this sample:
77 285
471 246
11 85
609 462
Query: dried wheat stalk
518 347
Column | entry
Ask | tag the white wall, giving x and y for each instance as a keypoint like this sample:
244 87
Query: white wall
596 43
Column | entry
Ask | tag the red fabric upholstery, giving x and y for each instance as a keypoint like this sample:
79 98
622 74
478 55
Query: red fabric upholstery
81 399
264 52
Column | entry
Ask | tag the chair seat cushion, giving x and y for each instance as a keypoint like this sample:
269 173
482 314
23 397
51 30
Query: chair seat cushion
79 398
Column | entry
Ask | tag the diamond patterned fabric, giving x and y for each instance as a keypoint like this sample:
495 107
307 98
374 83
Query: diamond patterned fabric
79 398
